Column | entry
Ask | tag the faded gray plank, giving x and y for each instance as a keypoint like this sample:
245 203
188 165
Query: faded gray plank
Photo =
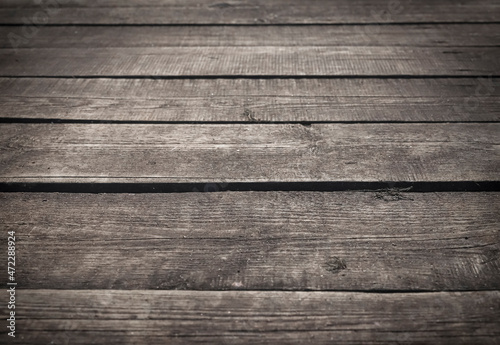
251 12
256 240
180 317
244 100
248 153
454 35
251 61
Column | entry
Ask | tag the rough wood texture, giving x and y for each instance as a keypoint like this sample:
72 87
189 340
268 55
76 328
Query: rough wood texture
454 35
252 12
251 61
248 153
248 61
385 266
256 240
177 317
250 100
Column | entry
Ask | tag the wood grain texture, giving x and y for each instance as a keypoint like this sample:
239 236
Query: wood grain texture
256 240
73 153
177 317
251 12
451 35
250 100
251 61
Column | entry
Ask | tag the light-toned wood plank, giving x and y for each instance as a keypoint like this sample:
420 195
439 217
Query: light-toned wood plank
454 35
177 317
256 240
251 100
248 153
251 12
250 61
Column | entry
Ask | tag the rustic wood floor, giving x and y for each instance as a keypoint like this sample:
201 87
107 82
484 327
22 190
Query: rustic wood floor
251 172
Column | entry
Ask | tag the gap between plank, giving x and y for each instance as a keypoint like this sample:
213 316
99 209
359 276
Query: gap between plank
393 189
238 76
269 24
312 291
247 122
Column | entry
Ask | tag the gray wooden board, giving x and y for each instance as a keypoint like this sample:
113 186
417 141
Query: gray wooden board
257 317
249 12
248 152
256 240
252 61
451 35
247 100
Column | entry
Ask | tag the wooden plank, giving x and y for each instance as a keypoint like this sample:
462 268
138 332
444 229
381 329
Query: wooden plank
251 100
451 35
250 12
138 153
180 317
251 61
256 240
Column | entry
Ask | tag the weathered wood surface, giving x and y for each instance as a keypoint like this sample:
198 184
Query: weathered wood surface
180 317
250 12
251 100
251 61
248 153
441 248
450 35
256 240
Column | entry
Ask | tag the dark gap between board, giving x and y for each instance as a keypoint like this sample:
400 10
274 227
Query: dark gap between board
390 187
264 24
244 76
247 122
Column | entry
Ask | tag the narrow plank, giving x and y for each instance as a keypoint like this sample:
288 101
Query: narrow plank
251 12
251 61
251 100
454 35
73 153
180 317
256 240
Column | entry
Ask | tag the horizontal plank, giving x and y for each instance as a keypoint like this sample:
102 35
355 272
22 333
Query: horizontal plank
180 317
256 240
249 12
454 35
138 153
251 100
251 61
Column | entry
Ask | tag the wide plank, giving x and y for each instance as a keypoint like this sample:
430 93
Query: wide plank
352 241
248 11
250 100
251 61
450 35
72 153
186 317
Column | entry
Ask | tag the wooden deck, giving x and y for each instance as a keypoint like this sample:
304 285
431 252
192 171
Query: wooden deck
250 171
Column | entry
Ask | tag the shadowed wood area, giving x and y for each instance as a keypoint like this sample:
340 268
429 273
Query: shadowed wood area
352 147
265 241
135 317
254 11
